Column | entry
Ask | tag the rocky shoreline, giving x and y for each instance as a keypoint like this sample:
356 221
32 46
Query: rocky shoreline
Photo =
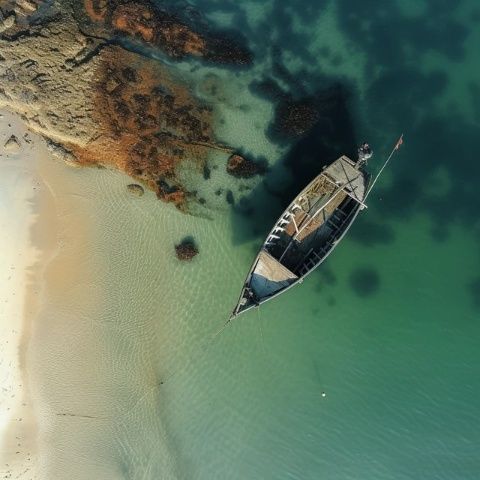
65 70
145 22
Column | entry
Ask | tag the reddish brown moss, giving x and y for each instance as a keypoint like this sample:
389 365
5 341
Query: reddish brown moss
148 124
136 20
96 9
143 21
241 167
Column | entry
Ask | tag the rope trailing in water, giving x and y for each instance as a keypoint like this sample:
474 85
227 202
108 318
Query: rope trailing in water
222 329
395 148
205 347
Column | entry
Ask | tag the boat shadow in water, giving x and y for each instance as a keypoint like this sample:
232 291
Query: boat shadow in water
330 136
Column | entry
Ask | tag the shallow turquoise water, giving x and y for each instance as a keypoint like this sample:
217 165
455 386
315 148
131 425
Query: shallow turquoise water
388 328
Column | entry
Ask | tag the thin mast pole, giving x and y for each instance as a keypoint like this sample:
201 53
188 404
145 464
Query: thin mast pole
395 148
354 197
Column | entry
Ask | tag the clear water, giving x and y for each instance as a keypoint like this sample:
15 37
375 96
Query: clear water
388 328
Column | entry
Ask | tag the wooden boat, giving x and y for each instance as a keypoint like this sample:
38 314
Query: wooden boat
307 231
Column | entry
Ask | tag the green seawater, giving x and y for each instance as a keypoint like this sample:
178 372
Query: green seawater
388 328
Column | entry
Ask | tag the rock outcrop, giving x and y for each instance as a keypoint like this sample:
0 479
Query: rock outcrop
63 68
62 153
7 22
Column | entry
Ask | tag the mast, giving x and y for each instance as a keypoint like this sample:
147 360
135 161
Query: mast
395 148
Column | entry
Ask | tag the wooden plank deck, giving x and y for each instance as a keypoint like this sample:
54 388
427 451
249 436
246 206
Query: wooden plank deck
301 217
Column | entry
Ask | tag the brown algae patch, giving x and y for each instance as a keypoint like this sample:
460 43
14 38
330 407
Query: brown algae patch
144 22
148 123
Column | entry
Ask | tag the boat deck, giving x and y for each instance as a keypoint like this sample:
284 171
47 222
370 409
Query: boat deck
316 213
308 222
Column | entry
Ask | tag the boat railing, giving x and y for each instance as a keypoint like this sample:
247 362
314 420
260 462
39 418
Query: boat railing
281 226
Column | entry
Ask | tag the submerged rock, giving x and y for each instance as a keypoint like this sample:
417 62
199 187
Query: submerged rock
135 189
241 167
206 172
186 250
294 118
230 198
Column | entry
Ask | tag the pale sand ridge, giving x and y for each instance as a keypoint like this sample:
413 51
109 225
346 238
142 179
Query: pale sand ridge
19 195
31 240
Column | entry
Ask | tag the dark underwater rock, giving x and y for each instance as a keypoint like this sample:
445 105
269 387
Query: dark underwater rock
241 167
229 197
295 118
186 250
206 172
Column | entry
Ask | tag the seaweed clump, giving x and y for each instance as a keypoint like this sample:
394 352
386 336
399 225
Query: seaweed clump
186 250
144 21
295 118
295 114
242 167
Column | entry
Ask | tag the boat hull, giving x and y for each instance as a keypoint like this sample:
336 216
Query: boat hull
306 233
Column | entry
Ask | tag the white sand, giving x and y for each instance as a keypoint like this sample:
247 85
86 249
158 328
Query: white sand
18 185
43 270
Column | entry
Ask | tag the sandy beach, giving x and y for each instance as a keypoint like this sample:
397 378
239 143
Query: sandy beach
78 367
22 200
34 226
